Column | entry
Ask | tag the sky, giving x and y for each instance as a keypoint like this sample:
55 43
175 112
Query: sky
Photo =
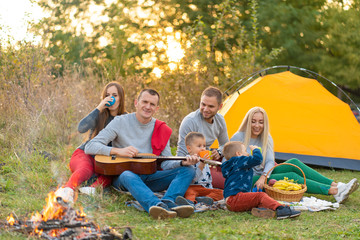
14 15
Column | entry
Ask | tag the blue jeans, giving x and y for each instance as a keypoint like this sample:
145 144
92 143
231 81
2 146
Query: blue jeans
143 186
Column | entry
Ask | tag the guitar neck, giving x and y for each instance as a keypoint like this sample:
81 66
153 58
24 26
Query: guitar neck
212 162
160 157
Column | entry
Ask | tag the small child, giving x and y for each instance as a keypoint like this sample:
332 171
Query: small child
238 174
201 189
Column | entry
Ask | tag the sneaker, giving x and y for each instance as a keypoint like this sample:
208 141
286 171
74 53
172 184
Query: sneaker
207 200
66 194
344 190
354 185
88 190
294 213
161 211
183 201
283 212
182 211
263 212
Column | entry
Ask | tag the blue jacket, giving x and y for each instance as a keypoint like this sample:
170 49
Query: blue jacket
238 173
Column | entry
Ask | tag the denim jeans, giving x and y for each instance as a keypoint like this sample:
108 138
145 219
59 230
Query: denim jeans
142 186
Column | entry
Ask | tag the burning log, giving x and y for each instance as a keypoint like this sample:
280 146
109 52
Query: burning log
59 221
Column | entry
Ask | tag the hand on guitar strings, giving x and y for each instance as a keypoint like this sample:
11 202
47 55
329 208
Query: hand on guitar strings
191 160
124 152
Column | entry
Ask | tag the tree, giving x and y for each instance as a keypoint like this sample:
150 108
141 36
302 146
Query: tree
340 62
294 26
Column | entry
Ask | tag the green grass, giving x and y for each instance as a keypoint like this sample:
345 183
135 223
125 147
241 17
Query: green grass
26 180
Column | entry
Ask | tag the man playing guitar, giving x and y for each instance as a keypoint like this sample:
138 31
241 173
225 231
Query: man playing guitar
139 132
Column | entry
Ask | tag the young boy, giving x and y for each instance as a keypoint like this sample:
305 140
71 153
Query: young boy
201 189
238 174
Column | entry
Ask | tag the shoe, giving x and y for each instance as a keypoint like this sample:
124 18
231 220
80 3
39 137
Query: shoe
66 194
161 211
294 213
263 213
207 200
283 212
88 190
182 211
354 185
183 201
344 190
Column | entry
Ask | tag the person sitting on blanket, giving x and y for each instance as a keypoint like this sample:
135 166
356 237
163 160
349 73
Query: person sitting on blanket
238 174
139 132
201 189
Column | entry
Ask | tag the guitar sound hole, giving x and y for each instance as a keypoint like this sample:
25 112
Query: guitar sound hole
113 157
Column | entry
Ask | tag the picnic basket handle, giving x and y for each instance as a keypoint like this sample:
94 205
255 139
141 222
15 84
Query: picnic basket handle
266 177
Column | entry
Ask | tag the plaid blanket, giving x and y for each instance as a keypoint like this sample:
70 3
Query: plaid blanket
199 207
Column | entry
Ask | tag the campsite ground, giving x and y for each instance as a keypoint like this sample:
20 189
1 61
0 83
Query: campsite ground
25 185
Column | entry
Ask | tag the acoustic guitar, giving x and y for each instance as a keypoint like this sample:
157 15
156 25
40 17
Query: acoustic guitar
143 163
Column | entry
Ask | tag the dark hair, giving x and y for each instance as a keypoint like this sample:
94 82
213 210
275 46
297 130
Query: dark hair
104 115
213 92
151 92
189 138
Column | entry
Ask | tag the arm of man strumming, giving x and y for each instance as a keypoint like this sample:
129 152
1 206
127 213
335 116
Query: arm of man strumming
98 145
88 122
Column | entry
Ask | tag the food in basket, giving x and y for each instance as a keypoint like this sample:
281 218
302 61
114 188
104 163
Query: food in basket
287 185
272 182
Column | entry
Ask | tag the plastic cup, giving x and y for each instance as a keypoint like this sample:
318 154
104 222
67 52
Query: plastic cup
205 154
110 103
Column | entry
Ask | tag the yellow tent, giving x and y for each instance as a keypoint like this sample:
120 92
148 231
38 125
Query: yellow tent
306 120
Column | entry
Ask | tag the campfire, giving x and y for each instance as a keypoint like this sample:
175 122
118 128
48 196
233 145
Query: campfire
58 220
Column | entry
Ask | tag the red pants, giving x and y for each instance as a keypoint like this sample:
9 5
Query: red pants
200 191
245 201
82 167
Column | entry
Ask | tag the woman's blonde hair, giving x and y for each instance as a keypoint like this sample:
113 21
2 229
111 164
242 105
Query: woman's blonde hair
264 136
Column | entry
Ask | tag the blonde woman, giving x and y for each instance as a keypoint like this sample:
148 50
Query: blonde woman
254 130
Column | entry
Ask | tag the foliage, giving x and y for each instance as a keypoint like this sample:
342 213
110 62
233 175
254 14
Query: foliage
238 37
340 61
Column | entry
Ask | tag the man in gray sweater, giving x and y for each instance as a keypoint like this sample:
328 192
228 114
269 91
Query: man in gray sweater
207 121
131 134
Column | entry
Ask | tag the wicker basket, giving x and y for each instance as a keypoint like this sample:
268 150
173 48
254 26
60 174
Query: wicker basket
288 196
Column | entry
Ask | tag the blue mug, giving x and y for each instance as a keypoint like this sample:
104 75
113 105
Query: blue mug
109 104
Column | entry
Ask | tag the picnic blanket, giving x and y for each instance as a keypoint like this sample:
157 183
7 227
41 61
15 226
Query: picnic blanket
312 204
199 207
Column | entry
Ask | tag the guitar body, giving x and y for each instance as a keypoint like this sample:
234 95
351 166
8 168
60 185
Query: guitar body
109 165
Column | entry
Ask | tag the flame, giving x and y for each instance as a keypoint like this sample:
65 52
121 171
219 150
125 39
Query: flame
81 213
52 210
37 231
11 220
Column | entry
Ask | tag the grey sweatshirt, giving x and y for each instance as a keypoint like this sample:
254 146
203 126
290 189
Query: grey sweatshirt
194 122
125 131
